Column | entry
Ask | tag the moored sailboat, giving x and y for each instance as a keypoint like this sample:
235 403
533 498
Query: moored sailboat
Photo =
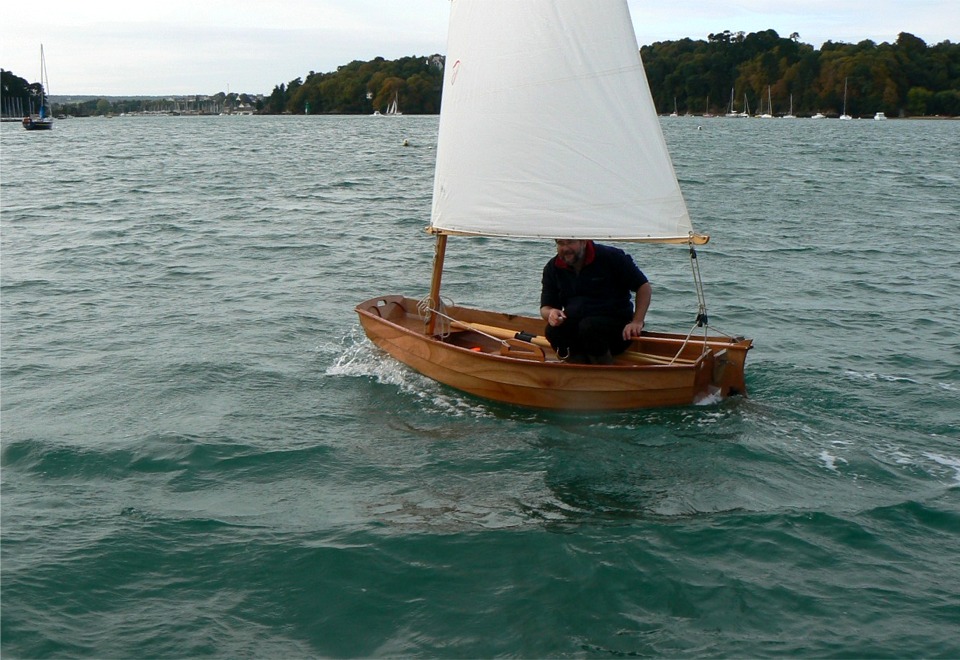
393 109
790 114
43 119
610 178
844 114
706 109
732 110
769 113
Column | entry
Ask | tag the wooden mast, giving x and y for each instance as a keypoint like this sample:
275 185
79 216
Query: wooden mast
440 252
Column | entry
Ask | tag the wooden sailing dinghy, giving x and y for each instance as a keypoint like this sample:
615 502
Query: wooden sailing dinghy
548 130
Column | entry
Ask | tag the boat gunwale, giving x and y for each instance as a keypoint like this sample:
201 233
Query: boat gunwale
363 309
524 381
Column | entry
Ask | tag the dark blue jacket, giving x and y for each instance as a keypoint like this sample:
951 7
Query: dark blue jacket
603 287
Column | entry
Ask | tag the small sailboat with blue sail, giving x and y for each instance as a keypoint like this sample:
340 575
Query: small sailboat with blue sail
42 120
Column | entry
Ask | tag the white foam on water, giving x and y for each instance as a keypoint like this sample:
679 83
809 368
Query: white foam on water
873 376
901 458
830 461
364 359
711 398
357 357
946 461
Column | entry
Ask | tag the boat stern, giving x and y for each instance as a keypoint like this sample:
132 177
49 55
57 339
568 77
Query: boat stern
728 369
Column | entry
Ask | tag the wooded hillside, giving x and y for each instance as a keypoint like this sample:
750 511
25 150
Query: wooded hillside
904 78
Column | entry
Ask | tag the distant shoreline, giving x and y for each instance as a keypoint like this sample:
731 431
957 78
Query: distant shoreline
128 115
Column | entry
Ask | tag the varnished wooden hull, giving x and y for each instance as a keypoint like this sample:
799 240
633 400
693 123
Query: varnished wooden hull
471 360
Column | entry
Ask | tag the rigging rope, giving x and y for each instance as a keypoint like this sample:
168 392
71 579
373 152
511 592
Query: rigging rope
423 309
702 320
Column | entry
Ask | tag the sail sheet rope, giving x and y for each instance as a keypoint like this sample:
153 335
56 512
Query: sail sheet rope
443 324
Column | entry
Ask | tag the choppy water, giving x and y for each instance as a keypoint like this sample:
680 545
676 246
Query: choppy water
203 456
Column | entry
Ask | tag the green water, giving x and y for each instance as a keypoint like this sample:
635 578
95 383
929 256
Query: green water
203 456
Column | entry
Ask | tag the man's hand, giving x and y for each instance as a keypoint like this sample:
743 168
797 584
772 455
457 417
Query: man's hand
556 317
632 330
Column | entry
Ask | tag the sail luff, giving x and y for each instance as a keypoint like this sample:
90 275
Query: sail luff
548 127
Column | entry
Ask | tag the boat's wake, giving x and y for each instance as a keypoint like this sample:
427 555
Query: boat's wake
355 356
714 396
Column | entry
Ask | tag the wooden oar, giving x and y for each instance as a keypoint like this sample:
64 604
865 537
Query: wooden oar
540 340
508 343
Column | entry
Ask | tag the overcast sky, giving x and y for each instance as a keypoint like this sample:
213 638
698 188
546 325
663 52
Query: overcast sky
159 47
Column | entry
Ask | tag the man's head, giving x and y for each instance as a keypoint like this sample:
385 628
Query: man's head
572 251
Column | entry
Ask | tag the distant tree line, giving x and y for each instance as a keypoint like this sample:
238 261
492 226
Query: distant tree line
364 87
19 97
904 78
194 104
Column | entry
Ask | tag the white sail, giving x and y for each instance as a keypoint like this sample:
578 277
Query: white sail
548 128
